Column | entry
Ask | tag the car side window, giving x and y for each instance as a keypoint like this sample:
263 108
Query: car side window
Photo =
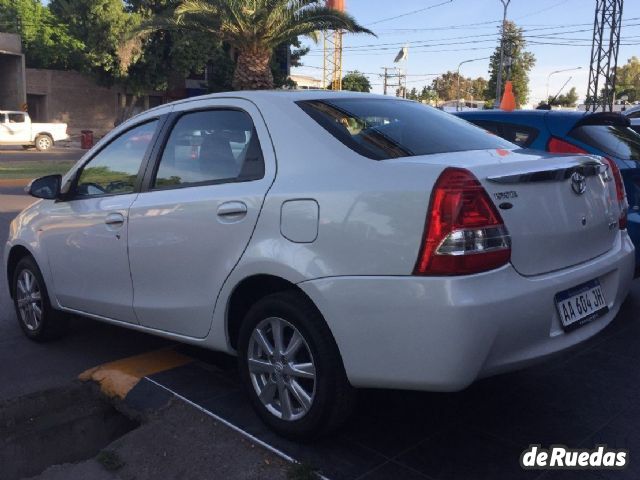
16 118
488 126
521 135
115 168
212 146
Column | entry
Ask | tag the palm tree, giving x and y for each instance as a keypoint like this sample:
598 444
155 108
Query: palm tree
253 28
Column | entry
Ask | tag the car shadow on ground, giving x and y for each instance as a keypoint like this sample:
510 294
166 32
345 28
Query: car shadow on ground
580 398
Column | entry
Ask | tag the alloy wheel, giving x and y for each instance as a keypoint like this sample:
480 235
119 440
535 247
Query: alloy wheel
281 369
29 299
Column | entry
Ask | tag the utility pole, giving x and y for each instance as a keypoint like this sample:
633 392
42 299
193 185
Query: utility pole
401 82
385 80
604 55
505 4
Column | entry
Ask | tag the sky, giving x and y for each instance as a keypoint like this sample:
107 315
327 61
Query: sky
442 33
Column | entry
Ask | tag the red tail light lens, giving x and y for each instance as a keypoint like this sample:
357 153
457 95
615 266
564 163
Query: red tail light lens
557 145
620 193
464 233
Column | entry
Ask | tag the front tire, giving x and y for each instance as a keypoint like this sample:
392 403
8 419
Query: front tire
43 143
38 320
291 367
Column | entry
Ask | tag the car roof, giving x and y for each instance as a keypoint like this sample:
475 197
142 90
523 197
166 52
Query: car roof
266 97
632 109
285 95
523 113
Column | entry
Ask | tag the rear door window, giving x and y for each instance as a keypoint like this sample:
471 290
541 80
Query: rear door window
213 146
383 128
521 135
619 142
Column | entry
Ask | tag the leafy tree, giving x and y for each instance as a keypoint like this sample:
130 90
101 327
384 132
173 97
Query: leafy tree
446 87
102 25
356 82
628 80
46 42
522 62
253 30
570 99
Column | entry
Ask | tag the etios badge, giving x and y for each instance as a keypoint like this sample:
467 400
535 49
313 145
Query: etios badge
578 183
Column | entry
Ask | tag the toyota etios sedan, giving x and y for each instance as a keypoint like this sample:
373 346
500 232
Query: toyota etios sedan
330 240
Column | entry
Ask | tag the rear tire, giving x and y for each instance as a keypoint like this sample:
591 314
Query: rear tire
313 372
43 143
38 320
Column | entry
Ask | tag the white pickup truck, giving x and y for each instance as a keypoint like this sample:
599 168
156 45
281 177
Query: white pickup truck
16 129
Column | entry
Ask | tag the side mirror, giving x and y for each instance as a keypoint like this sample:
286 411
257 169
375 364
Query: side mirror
47 187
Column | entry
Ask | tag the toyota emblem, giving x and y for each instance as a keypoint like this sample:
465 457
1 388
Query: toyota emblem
578 183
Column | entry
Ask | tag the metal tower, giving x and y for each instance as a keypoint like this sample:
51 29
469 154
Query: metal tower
604 55
332 63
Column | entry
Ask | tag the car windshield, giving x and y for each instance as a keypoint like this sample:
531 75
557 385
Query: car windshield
382 129
619 142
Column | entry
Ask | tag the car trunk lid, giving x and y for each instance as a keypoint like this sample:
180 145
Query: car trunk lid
564 210
555 219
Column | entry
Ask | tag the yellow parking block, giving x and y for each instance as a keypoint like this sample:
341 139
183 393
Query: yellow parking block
117 378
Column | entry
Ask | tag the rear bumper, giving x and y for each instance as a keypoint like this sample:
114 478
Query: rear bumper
441 334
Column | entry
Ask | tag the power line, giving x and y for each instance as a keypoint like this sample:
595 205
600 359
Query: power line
428 42
562 2
410 13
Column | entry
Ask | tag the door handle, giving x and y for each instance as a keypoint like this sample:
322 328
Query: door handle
114 219
232 209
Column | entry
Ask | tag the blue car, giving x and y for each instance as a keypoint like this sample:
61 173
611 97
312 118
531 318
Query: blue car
605 134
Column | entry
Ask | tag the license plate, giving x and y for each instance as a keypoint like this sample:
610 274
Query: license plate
581 304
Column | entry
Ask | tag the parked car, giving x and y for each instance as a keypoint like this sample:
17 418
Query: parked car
605 134
353 241
16 128
633 114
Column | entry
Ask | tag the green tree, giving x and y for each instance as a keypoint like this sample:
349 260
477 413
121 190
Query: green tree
102 25
356 82
521 63
446 87
46 42
570 99
253 30
628 80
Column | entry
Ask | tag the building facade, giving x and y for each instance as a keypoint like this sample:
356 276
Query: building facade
12 73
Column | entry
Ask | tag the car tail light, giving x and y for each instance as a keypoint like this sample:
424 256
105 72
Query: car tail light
464 232
620 193
557 145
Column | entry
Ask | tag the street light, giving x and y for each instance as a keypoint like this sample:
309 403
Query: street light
458 87
558 71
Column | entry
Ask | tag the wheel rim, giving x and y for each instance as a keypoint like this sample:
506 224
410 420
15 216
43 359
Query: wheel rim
29 300
44 143
282 369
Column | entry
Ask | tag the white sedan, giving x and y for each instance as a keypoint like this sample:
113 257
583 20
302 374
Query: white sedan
331 240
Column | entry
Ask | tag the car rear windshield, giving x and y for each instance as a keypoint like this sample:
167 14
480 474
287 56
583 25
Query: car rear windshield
381 129
619 142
